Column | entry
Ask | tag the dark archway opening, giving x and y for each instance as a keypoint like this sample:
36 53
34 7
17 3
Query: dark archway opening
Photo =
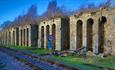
13 38
6 38
24 38
27 37
42 37
17 36
54 36
47 35
101 35
21 37
90 34
9 37
79 34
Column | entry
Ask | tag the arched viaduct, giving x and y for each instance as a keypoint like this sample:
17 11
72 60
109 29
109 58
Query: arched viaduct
93 30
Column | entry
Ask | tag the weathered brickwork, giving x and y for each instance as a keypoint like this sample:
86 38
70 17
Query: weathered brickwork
93 30
58 29
21 35
97 31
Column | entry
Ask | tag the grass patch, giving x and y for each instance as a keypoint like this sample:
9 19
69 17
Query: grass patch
19 47
87 63
41 51
30 48
84 63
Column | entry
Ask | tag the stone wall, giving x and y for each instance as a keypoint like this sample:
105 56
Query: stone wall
107 31
42 41
93 30
58 29
28 35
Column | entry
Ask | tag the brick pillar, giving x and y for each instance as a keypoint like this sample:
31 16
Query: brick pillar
11 37
50 31
44 37
22 37
15 37
84 32
19 37
95 35
29 31
6 38
25 36
73 33
2 37
106 34
39 37
27 41
58 34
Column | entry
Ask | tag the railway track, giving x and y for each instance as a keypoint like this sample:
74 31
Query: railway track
35 62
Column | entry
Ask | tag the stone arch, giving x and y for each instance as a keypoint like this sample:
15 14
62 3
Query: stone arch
79 33
21 36
24 37
13 38
47 34
90 22
17 36
9 37
101 34
42 37
54 36
27 36
6 36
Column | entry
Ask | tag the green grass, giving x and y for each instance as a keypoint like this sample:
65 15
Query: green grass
34 50
84 63
19 47
41 51
87 63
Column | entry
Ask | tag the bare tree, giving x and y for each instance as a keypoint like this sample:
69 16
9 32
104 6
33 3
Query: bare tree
31 17
5 25
53 10
91 8
105 4
32 11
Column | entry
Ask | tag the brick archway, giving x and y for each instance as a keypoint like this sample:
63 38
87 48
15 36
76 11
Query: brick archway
13 38
24 37
42 37
90 34
101 34
27 36
9 38
79 34
21 36
54 36
47 34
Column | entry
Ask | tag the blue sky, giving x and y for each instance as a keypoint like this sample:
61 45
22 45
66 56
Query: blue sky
9 9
